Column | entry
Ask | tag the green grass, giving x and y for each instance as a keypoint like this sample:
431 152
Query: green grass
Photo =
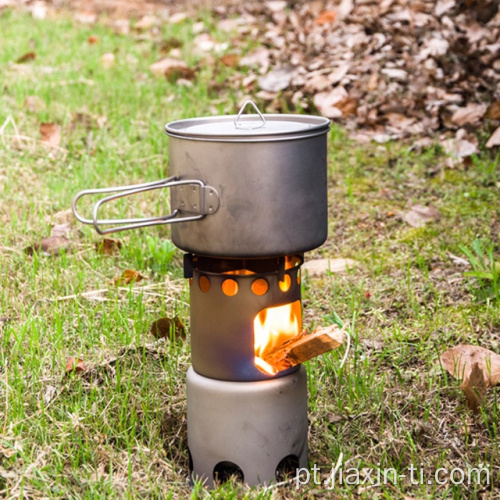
117 430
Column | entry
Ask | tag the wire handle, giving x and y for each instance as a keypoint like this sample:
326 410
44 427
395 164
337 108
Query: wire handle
239 124
199 200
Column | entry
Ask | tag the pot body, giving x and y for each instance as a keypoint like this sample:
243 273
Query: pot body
272 195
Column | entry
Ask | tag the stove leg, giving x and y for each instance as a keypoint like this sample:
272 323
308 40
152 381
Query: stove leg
254 431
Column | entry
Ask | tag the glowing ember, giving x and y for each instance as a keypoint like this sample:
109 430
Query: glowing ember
272 327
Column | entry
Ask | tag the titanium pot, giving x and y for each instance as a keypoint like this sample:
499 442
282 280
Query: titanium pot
242 186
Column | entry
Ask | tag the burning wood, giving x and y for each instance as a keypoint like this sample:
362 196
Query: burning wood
303 347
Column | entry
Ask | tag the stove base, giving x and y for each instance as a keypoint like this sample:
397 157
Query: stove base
254 431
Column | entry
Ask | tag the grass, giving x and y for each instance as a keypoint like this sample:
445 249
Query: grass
117 430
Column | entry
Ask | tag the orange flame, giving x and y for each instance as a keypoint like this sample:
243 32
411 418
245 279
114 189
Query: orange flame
272 327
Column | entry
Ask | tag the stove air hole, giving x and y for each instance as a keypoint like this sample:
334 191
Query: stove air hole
286 283
260 286
224 471
204 284
287 467
230 287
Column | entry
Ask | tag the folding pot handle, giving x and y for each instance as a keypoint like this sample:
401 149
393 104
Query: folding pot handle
193 197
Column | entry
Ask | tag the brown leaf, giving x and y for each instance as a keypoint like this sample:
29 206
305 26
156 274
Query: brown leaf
75 365
326 102
326 17
348 106
469 114
277 79
107 60
60 230
165 65
165 327
458 361
318 267
108 246
494 139
459 148
494 111
51 134
29 56
230 60
34 104
128 276
474 388
93 39
418 215
50 246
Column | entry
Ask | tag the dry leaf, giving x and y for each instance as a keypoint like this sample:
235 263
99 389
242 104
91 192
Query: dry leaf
128 276
93 39
326 102
108 246
29 56
258 58
319 267
230 60
347 106
60 230
277 79
34 104
51 134
494 111
85 17
418 215
469 114
75 365
494 139
107 60
163 327
459 148
50 246
458 361
166 66
474 388
326 17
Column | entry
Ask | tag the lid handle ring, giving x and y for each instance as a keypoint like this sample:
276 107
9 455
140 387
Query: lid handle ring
241 125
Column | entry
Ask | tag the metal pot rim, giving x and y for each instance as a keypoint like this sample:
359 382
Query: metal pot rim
248 128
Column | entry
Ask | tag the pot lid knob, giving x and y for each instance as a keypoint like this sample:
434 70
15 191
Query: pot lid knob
241 123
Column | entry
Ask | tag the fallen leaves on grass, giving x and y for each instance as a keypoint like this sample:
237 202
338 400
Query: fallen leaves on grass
459 360
477 367
108 246
169 67
29 56
320 267
75 365
128 276
419 215
474 388
494 139
165 327
107 60
53 244
326 17
51 134
34 104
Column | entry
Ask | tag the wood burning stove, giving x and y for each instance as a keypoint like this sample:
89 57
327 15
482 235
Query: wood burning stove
248 198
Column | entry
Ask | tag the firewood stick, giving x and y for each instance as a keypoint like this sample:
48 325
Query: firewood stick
304 347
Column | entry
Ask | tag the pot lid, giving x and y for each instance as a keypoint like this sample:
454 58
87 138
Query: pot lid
251 127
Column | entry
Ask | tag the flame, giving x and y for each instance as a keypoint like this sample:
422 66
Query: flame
272 327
